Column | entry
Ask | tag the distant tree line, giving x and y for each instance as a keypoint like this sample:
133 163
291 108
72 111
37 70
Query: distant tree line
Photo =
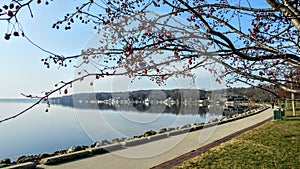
254 94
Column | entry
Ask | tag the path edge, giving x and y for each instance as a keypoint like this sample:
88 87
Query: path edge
180 159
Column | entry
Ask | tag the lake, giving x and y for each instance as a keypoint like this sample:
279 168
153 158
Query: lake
38 131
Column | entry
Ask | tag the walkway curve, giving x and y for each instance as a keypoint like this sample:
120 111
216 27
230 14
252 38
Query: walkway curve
189 143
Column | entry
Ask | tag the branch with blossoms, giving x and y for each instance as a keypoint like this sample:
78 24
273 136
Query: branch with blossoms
257 60
258 46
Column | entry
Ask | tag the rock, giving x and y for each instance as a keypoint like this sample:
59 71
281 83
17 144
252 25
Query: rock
102 143
4 165
194 125
224 119
5 161
24 159
122 139
163 130
138 136
214 120
201 124
105 142
185 126
60 152
96 144
116 140
130 138
73 149
170 129
76 148
41 156
149 133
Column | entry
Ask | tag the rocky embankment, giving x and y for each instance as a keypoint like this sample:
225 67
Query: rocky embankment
106 146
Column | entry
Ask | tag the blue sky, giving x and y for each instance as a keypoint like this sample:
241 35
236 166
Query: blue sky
22 71
20 62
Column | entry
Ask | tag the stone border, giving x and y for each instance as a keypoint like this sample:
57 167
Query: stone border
135 141
65 157
81 154
158 137
28 165
106 148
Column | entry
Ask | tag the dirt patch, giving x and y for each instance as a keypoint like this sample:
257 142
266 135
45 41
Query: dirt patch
293 138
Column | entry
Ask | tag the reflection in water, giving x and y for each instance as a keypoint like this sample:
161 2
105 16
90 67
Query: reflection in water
150 108
175 101
38 131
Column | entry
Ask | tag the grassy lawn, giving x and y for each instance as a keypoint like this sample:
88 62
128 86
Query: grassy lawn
275 144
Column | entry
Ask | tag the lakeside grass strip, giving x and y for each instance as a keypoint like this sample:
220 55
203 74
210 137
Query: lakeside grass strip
276 144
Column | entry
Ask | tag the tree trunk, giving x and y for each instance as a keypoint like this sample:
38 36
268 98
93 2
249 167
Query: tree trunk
293 104
287 10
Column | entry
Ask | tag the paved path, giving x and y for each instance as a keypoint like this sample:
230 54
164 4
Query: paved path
157 152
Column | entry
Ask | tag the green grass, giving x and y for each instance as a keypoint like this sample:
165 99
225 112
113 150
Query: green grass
275 144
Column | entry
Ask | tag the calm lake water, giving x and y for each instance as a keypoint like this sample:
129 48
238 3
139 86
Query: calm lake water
38 131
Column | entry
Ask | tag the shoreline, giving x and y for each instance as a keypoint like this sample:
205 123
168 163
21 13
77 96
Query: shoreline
105 146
